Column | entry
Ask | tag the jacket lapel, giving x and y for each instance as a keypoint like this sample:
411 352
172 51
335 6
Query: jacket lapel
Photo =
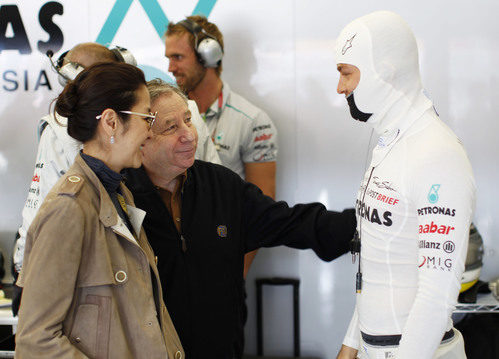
121 229
107 212
136 216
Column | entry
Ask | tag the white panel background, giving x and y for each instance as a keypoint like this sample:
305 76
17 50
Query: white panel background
279 56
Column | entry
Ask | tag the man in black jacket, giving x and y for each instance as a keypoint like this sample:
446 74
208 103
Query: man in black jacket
201 220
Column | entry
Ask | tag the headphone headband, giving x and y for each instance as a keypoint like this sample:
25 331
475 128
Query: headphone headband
69 71
192 26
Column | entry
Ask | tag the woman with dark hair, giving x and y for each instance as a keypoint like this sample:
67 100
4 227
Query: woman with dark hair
91 287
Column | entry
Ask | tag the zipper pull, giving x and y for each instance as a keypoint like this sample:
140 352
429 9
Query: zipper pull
184 243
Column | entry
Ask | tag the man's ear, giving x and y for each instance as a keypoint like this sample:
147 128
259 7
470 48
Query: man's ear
109 122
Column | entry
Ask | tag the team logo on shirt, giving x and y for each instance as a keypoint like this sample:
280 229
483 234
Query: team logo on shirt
222 231
267 157
429 245
382 198
259 128
449 246
221 146
435 228
32 203
263 137
266 152
373 215
433 194
435 262
35 178
437 210
262 146
35 191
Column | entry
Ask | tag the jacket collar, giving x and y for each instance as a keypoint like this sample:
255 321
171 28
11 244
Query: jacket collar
107 213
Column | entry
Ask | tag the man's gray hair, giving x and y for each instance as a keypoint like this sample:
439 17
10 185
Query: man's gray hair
158 87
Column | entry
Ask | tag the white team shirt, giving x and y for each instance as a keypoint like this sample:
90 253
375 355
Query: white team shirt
242 132
57 152
414 210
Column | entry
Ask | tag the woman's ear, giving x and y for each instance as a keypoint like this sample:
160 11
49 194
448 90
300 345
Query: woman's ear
109 122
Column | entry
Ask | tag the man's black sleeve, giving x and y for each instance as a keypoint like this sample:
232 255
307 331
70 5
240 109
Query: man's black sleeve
269 224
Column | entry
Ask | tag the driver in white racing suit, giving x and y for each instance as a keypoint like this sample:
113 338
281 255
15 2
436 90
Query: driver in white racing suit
414 205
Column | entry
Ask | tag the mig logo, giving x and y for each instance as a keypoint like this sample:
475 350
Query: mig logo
433 194
436 262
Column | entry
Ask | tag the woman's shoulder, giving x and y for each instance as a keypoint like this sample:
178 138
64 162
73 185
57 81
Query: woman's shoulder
74 185
70 183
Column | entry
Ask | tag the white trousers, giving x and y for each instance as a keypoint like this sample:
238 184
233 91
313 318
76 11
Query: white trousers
451 349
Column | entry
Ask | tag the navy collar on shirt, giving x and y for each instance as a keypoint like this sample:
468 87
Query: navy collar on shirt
110 180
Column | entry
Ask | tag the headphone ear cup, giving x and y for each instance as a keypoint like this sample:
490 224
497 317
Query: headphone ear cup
69 72
210 52
123 55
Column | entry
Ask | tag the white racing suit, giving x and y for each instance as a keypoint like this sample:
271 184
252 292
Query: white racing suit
56 153
414 205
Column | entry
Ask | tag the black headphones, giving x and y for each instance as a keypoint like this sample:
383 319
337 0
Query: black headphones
209 51
69 71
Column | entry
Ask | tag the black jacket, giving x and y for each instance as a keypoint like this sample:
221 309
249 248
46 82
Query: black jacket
223 218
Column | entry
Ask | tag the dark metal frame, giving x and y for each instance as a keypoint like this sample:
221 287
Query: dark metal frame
296 310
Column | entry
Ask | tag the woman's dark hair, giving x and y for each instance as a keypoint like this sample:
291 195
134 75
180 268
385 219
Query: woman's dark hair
100 86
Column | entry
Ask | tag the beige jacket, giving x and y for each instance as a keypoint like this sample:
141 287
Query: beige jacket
88 282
